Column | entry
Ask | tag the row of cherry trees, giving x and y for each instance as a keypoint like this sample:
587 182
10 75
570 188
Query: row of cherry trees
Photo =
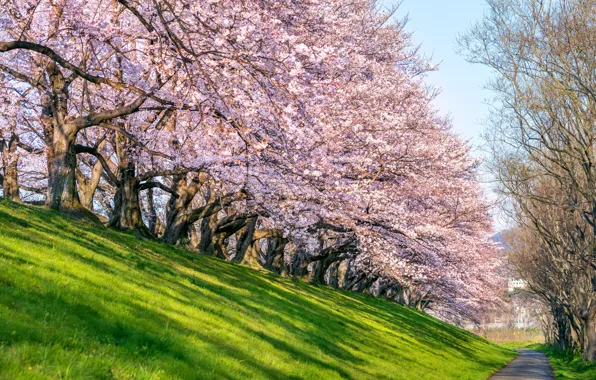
293 135
544 148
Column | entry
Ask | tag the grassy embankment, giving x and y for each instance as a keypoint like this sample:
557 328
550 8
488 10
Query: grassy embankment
82 301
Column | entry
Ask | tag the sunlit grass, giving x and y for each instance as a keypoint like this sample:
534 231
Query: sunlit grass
80 301
512 337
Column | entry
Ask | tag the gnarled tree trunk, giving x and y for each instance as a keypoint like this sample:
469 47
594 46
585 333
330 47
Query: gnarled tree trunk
88 186
127 208
246 252
10 161
62 159
589 334
179 211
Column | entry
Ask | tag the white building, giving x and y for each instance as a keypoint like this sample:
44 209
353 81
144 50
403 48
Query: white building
516 284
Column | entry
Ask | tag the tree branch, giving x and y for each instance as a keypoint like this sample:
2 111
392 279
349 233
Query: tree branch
86 149
50 53
154 184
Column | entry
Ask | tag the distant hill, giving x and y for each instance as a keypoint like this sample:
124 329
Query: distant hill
81 301
498 240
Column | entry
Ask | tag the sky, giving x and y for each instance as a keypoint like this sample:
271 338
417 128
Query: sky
435 25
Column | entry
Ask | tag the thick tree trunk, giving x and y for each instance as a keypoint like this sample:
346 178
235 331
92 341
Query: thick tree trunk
275 254
343 273
10 162
215 233
327 257
62 159
62 187
176 231
194 238
322 266
208 245
127 208
88 186
297 264
589 333
155 224
179 210
562 327
246 252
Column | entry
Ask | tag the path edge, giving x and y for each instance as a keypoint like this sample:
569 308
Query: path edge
509 362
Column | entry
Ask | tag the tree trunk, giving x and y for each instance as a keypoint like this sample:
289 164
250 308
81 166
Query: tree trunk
214 232
155 224
62 188
589 332
246 251
176 229
62 159
297 264
328 256
88 186
127 213
208 227
179 210
562 327
10 162
275 254
127 208
194 237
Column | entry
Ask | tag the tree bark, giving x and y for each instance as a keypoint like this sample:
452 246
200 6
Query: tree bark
214 233
10 162
62 158
246 252
330 255
62 189
589 334
155 224
127 208
208 226
88 186
275 253
179 212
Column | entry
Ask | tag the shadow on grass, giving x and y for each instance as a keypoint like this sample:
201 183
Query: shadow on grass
313 321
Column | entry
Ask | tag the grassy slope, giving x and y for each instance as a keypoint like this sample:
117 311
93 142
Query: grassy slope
567 365
78 301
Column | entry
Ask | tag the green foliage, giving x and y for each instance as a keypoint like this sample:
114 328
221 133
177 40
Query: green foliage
566 364
82 301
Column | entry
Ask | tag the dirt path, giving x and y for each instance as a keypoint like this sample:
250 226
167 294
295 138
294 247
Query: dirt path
528 365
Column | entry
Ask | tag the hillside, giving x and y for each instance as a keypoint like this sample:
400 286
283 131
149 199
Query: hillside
80 301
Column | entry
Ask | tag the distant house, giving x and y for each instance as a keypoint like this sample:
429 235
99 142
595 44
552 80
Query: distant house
515 284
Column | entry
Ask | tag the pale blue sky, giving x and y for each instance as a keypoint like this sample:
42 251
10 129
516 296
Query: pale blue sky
436 24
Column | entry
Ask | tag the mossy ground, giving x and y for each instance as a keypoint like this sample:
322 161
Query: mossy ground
85 302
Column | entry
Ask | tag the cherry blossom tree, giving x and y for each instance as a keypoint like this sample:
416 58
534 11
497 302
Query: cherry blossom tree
297 136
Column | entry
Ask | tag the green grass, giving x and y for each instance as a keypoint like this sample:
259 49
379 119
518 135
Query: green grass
566 364
80 301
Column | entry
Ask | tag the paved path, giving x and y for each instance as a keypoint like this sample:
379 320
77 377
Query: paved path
528 365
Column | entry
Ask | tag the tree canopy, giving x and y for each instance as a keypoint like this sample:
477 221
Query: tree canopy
298 136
